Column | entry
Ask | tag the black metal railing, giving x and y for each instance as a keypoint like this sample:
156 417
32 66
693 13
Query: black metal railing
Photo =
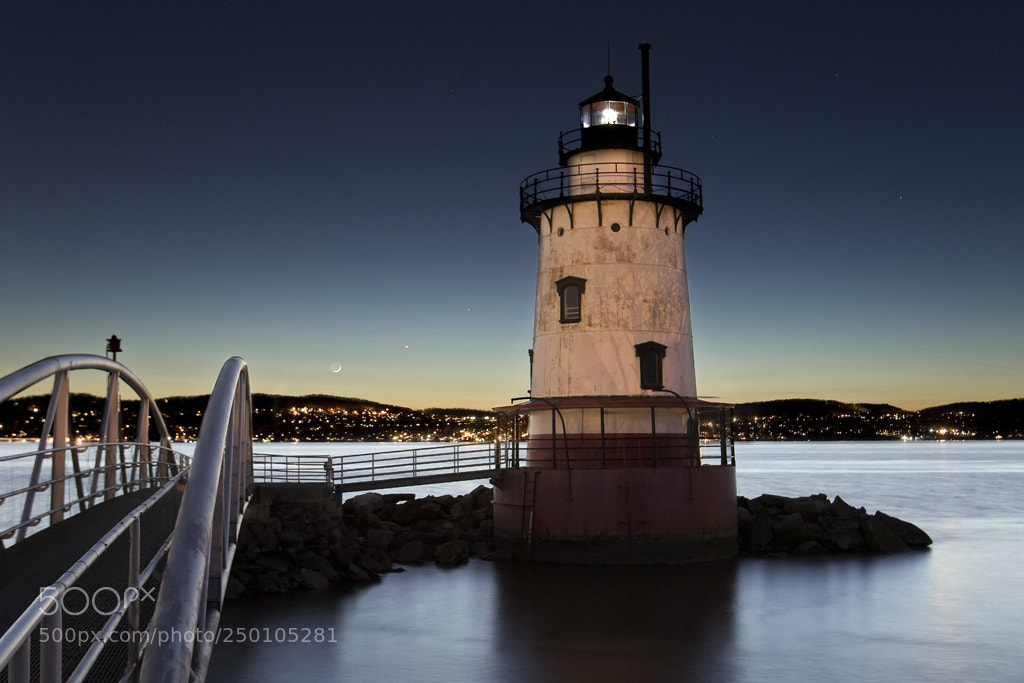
571 141
710 440
611 452
586 182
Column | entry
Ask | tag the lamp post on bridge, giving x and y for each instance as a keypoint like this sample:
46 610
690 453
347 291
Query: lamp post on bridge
114 346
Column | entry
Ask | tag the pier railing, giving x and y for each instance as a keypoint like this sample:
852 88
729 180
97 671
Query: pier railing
418 465
382 469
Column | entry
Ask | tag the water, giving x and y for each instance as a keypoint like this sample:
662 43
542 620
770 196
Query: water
950 613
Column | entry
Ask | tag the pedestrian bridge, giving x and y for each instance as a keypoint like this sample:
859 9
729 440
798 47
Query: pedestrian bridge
115 554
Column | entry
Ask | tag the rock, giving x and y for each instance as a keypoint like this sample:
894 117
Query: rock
365 503
846 536
356 573
482 497
452 553
810 507
310 545
408 552
289 538
234 588
273 563
759 536
313 580
428 511
379 538
812 525
792 531
843 509
743 516
767 500
810 548
907 532
879 538
374 560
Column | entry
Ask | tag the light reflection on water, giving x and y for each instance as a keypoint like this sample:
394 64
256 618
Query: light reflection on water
950 613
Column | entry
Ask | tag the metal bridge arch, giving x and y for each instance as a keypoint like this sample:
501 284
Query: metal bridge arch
198 552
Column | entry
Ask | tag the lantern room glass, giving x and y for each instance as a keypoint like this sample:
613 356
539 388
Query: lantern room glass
608 113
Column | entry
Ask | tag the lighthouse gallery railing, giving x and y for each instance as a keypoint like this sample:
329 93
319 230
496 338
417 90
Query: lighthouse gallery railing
583 182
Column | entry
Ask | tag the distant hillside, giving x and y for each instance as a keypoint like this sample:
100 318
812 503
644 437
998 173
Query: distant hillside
824 420
813 408
985 419
332 418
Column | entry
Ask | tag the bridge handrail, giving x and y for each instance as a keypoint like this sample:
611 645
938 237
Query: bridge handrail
15 643
18 381
56 427
84 499
205 534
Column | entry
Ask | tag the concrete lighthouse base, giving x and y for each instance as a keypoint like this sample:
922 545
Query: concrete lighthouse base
616 516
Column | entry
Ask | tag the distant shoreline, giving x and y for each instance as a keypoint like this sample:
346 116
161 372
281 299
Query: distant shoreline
320 418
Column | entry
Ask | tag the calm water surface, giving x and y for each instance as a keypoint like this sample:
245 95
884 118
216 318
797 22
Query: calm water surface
952 613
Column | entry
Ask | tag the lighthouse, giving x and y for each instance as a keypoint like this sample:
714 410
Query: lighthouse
620 462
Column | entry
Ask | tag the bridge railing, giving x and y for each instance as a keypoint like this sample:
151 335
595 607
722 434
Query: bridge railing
22 512
205 536
85 623
113 470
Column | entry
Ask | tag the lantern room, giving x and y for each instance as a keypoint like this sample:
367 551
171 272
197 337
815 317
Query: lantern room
609 120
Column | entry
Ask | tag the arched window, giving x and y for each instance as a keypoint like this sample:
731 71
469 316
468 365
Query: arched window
570 296
651 355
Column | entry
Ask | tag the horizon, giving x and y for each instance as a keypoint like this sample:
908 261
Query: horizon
32 392
330 192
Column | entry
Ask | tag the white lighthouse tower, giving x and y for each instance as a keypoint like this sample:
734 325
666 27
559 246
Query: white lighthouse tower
613 469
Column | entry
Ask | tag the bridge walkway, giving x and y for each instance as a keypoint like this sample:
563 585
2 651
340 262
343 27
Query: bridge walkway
41 559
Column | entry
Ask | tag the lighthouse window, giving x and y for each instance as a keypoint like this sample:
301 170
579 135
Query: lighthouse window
651 355
570 295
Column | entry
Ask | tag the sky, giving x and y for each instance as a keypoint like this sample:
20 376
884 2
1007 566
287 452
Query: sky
330 190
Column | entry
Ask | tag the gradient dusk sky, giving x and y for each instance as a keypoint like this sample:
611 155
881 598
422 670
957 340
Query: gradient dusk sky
330 189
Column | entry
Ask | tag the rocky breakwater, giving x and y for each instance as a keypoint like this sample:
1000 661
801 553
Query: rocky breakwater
810 525
310 545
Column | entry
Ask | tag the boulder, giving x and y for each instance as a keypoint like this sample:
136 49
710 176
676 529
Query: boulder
365 503
907 532
879 538
771 524
452 553
409 552
808 507
379 538
313 580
